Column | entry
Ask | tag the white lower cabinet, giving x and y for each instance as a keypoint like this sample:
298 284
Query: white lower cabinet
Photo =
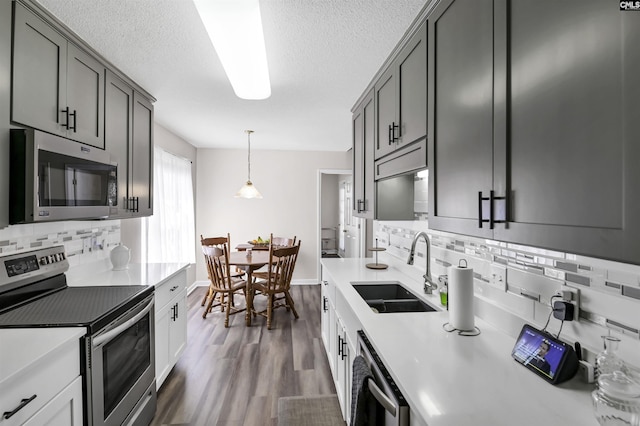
342 373
338 345
171 324
64 409
46 388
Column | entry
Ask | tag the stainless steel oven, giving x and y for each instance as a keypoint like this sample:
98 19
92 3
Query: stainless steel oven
120 369
388 406
118 350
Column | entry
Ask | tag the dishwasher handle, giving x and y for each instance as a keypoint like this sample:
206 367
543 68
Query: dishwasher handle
382 398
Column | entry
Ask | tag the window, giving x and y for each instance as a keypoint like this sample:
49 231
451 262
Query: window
169 233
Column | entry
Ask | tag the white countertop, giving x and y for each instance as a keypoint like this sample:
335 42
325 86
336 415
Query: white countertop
100 274
22 347
453 380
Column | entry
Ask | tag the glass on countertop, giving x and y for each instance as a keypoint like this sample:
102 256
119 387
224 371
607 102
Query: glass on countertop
616 401
608 360
444 295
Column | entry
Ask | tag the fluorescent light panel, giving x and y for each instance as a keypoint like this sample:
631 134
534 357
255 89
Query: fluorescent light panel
235 29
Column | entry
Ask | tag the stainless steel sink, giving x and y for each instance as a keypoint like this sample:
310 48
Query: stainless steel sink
390 296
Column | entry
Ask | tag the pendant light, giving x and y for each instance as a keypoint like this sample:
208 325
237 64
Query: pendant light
248 190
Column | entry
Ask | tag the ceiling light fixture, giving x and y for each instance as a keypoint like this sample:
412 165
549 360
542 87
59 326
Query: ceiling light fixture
235 29
248 190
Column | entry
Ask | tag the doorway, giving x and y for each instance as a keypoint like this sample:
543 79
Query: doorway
338 230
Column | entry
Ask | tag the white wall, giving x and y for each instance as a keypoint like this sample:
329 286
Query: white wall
288 181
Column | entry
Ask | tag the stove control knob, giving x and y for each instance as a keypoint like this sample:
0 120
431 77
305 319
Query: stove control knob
43 260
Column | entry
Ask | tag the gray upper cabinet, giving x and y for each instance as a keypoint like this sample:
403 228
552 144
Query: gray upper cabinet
118 135
85 97
141 160
386 121
129 139
534 124
460 113
412 89
401 97
39 80
363 147
56 87
572 126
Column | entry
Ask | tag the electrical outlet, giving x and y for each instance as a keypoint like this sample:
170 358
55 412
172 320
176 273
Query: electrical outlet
498 276
571 295
87 245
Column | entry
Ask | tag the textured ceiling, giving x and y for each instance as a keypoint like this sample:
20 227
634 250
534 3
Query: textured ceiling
322 54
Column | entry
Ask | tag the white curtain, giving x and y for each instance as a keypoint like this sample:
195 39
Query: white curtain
170 232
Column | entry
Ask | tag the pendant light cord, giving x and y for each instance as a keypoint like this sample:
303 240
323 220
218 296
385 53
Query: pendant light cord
249 155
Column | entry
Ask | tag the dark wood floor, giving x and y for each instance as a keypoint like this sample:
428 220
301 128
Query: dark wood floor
234 376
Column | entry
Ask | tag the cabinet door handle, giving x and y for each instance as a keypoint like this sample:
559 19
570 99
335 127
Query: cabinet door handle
74 114
340 346
324 304
66 114
326 282
344 352
393 132
492 201
173 313
390 134
132 205
361 203
8 414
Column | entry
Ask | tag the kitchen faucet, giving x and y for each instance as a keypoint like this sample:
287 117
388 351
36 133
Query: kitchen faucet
429 284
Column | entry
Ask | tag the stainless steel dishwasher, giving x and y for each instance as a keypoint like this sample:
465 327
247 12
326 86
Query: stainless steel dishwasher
388 406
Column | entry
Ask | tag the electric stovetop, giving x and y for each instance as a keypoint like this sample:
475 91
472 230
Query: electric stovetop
34 293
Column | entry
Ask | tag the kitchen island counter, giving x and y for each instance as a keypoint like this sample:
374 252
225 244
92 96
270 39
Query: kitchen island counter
449 379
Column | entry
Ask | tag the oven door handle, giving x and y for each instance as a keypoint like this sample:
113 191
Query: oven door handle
111 334
382 398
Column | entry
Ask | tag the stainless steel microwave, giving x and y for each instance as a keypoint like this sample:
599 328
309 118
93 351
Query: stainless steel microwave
53 178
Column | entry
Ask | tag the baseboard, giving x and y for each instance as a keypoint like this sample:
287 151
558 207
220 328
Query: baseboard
309 281
197 284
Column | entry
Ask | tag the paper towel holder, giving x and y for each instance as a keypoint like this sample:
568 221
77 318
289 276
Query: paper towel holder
448 327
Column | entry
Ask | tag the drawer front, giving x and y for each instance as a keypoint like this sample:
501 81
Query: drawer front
407 159
45 379
170 288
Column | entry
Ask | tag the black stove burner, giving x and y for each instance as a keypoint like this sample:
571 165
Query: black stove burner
92 307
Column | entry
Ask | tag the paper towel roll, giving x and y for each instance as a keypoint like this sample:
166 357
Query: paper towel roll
461 298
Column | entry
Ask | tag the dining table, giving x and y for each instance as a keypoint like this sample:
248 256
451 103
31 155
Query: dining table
249 261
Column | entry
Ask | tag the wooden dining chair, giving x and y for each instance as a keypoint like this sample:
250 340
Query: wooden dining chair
282 241
276 242
219 242
276 286
221 280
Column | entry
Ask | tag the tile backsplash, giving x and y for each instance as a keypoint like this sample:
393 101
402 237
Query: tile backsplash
84 241
608 293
